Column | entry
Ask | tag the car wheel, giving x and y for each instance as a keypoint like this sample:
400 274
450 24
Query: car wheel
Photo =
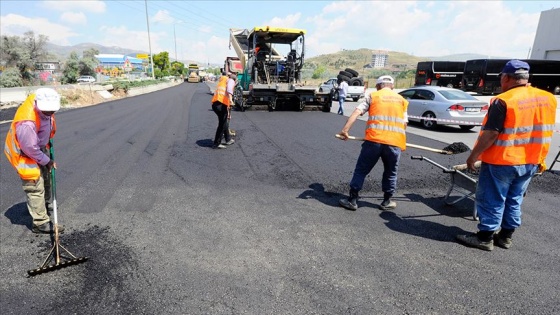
428 123
466 127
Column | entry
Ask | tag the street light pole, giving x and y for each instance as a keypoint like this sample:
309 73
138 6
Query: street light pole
149 41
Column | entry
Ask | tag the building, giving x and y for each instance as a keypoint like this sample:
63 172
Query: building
379 59
547 39
108 61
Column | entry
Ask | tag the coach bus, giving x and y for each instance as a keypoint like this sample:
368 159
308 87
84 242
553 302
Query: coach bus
440 73
482 75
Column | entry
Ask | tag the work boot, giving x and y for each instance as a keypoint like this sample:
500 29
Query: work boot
219 146
350 203
503 238
387 203
46 228
473 240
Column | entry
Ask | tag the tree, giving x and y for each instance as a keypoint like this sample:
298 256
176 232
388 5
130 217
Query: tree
88 62
161 60
24 52
71 70
177 68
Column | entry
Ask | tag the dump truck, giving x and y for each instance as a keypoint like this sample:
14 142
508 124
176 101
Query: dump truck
272 59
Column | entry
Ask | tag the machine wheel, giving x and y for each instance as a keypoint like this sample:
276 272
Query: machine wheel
466 127
429 124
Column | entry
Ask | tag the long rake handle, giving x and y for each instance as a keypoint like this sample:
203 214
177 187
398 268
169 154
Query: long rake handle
408 145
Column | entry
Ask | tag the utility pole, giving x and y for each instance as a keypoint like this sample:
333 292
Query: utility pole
175 37
149 41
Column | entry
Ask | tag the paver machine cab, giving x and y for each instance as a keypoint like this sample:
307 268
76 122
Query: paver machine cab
272 59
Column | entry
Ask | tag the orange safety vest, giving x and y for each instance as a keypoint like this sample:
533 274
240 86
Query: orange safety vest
220 94
385 122
26 167
528 128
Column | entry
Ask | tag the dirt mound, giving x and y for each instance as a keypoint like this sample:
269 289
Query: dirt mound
82 98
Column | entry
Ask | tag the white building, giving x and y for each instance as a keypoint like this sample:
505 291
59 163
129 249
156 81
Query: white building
547 39
379 60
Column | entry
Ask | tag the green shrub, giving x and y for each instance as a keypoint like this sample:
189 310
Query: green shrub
11 77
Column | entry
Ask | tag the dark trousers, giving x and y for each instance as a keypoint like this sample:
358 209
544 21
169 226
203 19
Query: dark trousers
221 111
370 154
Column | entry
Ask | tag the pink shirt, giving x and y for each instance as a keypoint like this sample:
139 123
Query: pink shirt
32 140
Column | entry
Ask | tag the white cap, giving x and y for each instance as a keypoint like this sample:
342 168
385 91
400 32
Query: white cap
47 100
385 79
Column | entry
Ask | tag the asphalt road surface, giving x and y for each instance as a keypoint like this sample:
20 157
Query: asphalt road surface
172 226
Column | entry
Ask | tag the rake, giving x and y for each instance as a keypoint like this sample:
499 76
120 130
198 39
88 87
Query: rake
60 260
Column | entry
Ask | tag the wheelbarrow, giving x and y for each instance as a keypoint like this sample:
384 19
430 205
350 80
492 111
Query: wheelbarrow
463 182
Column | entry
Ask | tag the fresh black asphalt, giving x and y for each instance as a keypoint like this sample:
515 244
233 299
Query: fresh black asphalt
172 226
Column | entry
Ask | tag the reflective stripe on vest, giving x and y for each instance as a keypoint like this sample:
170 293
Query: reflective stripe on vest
528 127
220 94
386 122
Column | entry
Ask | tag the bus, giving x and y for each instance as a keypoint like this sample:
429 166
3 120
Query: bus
440 73
482 75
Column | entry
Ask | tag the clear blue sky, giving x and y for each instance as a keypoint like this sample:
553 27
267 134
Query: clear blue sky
200 29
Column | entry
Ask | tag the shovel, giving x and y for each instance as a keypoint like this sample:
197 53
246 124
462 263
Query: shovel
60 261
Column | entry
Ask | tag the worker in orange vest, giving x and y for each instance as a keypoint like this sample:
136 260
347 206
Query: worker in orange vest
221 101
26 148
385 138
512 145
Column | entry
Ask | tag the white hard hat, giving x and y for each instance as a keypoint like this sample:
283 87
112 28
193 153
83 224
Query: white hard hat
385 79
47 100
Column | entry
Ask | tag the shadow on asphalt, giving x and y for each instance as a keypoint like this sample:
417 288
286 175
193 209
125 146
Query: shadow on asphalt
462 209
206 143
421 228
18 215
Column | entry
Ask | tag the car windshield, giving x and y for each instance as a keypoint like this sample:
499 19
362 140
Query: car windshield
457 95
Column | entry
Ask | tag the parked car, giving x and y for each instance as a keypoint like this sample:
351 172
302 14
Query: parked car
354 91
453 106
86 79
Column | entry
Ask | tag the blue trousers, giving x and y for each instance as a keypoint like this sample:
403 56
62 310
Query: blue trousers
341 100
369 155
499 195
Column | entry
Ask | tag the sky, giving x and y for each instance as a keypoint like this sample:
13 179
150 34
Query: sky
199 30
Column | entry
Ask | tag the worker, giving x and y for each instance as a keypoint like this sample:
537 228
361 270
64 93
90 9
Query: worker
27 145
342 93
385 138
222 99
513 143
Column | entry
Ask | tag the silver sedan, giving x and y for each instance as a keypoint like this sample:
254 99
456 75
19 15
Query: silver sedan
434 105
